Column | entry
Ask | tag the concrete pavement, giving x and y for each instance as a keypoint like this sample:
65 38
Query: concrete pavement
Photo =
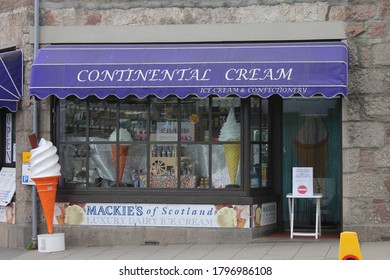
262 249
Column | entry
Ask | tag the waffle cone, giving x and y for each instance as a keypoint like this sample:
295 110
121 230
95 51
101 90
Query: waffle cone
47 189
123 151
232 156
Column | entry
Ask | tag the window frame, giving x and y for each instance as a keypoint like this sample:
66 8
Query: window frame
243 195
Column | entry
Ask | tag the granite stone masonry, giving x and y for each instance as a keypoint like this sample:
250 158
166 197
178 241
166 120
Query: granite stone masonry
366 112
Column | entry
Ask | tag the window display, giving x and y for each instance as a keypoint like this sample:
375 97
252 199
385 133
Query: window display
166 144
259 143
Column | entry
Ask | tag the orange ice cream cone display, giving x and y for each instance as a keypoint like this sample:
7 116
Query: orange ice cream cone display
123 151
45 172
47 189
124 136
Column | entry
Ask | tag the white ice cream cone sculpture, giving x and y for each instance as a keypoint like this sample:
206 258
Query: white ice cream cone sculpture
231 132
123 151
232 156
45 172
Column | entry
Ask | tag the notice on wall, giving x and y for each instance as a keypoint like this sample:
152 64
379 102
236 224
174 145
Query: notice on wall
7 185
172 215
7 213
302 181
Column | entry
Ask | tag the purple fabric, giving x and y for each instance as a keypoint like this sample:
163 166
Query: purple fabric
245 69
11 79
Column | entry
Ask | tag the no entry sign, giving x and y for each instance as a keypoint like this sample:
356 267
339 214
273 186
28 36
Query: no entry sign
302 181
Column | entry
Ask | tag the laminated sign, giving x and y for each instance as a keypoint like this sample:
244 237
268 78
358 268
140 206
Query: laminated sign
302 181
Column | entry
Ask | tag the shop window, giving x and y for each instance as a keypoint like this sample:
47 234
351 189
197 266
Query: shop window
259 177
172 143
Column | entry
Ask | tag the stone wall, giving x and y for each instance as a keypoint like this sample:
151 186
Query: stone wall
366 126
366 112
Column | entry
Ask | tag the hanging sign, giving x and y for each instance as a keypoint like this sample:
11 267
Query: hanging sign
302 181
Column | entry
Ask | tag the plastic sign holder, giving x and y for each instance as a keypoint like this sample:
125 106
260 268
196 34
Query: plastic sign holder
302 181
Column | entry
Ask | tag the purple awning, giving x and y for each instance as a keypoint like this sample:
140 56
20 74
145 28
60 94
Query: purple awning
11 79
245 69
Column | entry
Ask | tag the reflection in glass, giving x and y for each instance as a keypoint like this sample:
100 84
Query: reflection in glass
194 172
192 113
164 119
73 163
132 117
102 119
226 166
73 119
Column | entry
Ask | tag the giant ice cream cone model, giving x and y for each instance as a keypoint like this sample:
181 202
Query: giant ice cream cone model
45 172
232 156
124 135
312 145
230 131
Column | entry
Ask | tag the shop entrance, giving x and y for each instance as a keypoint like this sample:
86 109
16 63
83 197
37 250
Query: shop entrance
312 138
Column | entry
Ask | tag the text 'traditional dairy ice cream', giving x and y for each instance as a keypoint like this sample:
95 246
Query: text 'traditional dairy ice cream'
231 131
44 160
124 135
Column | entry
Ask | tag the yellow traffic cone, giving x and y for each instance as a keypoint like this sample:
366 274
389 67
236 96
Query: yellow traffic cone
349 246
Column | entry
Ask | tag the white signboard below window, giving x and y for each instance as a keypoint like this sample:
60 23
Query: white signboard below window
302 181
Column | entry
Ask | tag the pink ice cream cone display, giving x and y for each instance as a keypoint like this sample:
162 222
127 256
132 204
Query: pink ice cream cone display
230 131
45 172
122 150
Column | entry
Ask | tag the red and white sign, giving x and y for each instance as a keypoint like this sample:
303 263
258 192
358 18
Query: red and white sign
302 181
302 189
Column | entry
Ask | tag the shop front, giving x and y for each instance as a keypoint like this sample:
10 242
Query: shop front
192 136
11 85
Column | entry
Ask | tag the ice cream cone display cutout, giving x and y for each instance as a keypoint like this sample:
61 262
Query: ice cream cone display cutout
312 145
230 131
45 172
120 150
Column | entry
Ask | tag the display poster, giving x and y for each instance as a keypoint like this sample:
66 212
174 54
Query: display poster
264 214
302 181
7 185
172 215
7 213
167 131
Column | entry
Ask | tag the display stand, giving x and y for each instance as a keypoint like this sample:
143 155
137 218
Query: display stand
291 198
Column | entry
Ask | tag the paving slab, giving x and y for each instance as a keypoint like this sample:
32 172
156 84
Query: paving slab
224 252
195 252
168 253
115 252
253 251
